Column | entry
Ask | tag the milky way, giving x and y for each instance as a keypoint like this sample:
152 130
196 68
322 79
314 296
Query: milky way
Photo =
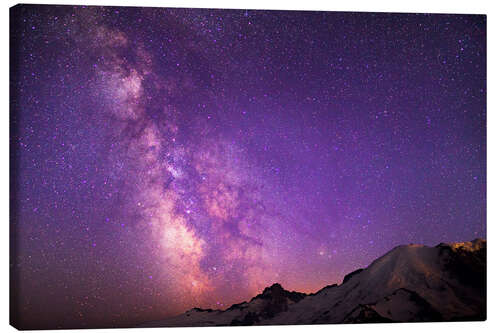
164 159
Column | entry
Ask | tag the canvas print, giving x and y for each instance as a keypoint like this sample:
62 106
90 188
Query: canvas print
210 167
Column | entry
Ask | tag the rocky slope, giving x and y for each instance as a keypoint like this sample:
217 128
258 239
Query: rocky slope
409 283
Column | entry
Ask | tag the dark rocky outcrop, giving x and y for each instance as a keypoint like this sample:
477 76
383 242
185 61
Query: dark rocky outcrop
350 275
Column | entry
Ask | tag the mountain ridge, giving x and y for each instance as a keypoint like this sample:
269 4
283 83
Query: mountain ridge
412 282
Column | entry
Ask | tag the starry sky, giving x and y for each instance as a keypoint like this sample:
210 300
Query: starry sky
163 159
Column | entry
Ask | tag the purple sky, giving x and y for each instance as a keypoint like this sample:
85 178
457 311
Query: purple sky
171 158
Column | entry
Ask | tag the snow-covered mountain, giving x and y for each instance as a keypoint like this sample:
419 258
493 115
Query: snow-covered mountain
409 283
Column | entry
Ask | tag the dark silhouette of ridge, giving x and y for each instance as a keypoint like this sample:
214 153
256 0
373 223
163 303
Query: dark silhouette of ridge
409 283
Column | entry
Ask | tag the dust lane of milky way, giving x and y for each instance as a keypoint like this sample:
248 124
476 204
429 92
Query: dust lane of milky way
172 158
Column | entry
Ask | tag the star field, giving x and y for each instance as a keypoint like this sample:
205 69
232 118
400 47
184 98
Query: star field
164 159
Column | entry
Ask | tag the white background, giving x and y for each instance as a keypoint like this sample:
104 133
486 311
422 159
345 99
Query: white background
427 6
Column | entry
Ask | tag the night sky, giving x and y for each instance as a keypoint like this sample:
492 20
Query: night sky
164 159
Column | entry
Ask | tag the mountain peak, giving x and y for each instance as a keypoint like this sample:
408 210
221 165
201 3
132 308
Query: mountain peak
274 288
277 293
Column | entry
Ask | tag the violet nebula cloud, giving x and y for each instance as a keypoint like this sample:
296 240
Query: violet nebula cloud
164 159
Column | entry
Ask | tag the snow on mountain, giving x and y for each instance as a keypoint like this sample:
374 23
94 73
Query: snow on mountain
409 283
